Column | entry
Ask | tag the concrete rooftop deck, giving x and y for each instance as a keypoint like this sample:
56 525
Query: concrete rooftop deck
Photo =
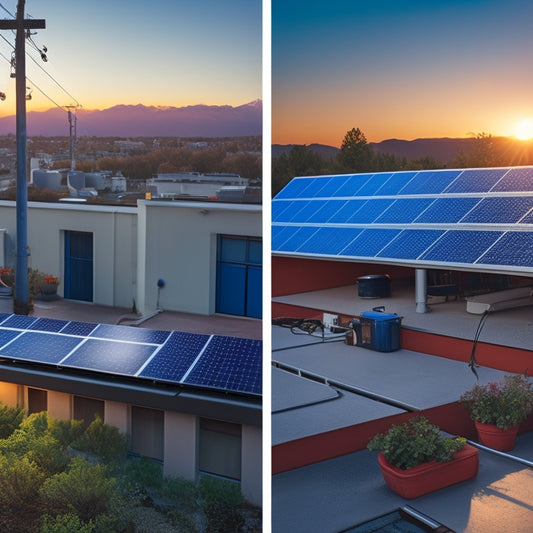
333 495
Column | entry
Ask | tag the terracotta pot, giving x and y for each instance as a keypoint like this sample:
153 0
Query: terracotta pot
432 476
494 437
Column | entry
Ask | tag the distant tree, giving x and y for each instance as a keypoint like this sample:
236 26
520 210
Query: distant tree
355 155
481 154
301 161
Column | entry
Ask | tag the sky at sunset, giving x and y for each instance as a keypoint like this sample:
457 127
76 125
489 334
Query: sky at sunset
163 53
399 69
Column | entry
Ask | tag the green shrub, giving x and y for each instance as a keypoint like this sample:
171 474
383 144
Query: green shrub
221 500
103 440
216 489
65 431
145 472
34 440
10 419
415 442
181 491
65 523
83 487
20 481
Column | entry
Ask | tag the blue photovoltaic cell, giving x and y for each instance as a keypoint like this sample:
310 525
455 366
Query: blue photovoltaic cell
447 210
333 185
395 183
7 335
40 347
109 356
19 321
515 248
346 211
128 333
292 214
298 238
48 324
281 234
173 360
461 246
281 210
329 241
369 242
78 328
430 182
229 363
307 210
409 244
315 189
476 180
306 188
326 211
370 211
507 210
4 316
293 188
516 180
351 186
403 211
373 184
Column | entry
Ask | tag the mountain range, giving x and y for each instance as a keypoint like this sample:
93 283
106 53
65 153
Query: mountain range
146 121
442 149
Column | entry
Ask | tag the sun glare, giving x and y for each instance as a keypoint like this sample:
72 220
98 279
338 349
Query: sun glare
524 129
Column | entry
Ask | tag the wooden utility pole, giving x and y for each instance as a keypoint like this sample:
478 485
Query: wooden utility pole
21 302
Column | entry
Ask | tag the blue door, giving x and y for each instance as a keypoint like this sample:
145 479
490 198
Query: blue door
239 276
79 265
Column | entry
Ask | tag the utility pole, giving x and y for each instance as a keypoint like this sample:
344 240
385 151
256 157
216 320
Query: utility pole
72 134
21 302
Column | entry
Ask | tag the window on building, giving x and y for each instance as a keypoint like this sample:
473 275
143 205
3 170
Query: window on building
239 276
87 409
37 400
220 448
147 432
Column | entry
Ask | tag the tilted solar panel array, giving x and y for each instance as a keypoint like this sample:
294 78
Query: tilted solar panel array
217 362
464 218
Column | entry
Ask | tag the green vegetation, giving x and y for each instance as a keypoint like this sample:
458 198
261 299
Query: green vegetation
356 155
60 476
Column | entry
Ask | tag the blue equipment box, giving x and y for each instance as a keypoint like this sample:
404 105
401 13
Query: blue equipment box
378 331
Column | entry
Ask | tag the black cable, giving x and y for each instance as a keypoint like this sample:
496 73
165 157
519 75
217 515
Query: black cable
473 364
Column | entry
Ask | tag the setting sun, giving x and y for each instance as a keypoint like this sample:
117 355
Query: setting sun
524 129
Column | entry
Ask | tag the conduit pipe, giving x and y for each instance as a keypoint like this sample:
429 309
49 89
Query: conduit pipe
421 290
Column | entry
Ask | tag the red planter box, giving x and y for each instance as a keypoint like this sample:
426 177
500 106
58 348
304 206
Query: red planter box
494 437
428 477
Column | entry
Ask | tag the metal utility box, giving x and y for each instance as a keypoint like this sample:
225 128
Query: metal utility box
374 286
378 331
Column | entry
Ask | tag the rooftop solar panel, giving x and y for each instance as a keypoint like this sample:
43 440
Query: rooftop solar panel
466 212
40 347
134 352
229 363
174 359
109 356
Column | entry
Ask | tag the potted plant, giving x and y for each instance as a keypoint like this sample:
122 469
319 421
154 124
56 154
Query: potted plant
416 458
498 408
48 287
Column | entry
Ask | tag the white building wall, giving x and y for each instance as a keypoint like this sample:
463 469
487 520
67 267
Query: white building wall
181 435
179 247
115 240
10 394
117 414
59 405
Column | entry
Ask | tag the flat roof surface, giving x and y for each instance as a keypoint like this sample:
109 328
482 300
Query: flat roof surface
336 494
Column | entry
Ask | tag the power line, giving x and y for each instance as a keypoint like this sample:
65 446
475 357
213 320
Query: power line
43 56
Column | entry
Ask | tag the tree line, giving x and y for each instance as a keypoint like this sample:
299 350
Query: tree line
356 155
